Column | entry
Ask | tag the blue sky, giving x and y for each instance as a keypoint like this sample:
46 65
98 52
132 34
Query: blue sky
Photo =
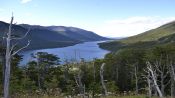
114 18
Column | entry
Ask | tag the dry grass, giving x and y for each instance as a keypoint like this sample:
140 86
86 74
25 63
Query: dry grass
22 96
36 96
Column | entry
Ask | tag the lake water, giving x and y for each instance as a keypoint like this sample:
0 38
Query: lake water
87 50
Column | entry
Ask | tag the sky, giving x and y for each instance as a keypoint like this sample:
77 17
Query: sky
110 18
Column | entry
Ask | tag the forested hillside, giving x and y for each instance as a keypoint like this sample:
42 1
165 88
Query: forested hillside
162 35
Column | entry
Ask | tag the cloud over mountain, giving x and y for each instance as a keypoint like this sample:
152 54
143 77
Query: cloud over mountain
131 26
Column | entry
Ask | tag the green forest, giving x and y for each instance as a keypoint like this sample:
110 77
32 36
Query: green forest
126 73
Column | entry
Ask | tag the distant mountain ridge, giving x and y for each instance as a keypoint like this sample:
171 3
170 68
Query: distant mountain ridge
71 32
50 36
164 34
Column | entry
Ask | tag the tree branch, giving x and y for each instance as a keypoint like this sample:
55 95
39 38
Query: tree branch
22 36
22 48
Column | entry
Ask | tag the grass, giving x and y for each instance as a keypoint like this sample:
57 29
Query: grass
23 96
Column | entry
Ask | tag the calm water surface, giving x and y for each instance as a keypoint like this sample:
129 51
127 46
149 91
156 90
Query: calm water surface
87 50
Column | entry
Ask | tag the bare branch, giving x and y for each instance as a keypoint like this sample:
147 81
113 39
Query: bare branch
157 65
22 36
11 50
152 74
22 48
167 83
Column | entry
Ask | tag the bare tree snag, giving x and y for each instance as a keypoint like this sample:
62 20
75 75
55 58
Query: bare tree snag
149 86
8 56
154 78
102 79
8 61
172 75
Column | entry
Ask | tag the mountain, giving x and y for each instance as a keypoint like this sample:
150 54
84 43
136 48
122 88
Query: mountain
71 32
76 33
164 34
49 36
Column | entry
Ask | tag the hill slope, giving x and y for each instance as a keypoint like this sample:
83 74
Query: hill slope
162 35
152 35
46 37
76 33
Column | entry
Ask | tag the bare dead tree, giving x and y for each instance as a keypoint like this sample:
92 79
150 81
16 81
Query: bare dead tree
163 71
102 79
78 74
154 78
149 86
173 71
147 76
10 52
172 75
79 83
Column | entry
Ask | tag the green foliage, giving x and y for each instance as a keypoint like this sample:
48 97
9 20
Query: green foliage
118 73
112 87
95 88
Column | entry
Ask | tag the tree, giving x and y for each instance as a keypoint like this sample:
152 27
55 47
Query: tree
153 75
125 61
10 52
161 60
44 62
102 79
78 75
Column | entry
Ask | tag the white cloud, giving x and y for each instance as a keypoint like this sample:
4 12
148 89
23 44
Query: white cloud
131 26
25 1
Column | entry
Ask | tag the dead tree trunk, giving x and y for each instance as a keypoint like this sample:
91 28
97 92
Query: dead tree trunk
8 56
154 78
102 79
149 85
162 84
164 72
80 84
172 74
7 62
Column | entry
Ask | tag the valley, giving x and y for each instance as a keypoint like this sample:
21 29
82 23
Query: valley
87 49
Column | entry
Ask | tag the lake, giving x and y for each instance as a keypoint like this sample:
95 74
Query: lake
86 50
